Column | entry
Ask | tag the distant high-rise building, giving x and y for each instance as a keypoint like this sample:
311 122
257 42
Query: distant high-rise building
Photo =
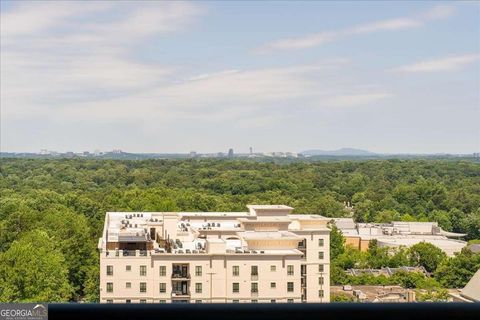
193 154
251 150
230 152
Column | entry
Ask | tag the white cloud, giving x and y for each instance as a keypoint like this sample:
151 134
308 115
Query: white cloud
59 52
451 63
349 100
247 96
316 39
31 18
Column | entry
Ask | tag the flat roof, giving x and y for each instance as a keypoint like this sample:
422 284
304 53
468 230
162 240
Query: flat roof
269 207
269 235
263 220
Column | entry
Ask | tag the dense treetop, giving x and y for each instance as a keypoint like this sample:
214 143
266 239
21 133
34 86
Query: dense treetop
65 200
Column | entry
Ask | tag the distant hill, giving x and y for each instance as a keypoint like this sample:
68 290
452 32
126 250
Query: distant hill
339 152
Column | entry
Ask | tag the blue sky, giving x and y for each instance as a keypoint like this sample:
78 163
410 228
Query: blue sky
395 77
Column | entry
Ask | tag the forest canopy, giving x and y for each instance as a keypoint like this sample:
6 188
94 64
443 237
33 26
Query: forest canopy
56 206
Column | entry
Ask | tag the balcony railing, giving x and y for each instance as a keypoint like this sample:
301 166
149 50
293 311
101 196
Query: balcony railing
129 253
126 253
180 275
180 293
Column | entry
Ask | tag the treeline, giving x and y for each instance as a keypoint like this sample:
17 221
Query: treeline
54 209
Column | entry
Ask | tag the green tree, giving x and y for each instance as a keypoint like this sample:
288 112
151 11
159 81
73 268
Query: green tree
407 279
341 297
337 242
399 258
426 255
456 271
33 270
377 257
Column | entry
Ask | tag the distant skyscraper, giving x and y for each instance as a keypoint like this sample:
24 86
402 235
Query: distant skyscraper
251 150
230 152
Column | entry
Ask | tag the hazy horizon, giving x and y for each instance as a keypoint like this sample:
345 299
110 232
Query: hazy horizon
239 151
174 77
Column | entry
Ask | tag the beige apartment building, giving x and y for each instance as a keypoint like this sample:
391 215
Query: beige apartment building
264 255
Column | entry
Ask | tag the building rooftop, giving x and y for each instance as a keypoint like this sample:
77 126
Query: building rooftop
199 232
269 207
472 289
269 235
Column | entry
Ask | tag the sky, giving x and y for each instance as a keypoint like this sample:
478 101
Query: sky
167 77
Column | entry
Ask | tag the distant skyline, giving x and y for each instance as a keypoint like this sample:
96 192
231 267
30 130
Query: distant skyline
174 77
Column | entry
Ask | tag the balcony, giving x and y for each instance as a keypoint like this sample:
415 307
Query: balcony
254 277
180 276
180 294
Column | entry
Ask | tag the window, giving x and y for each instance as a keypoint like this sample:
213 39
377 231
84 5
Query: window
273 285
143 287
109 270
273 301
321 242
162 271
236 301
290 270
235 287
163 287
254 271
162 301
128 285
128 268
198 288
320 293
254 301
198 301
128 301
143 270
109 301
321 268
273 268
289 286
143 301
254 287
320 280
198 271
109 286
320 255
236 271
290 300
